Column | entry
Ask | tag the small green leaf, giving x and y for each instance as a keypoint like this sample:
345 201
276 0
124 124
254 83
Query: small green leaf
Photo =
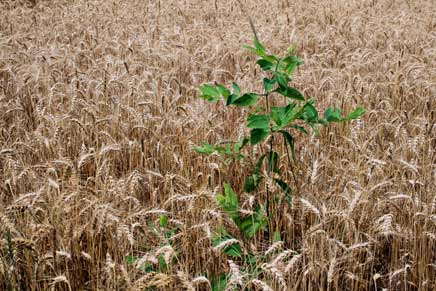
265 65
289 64
271 58
251 183
131 260
232 205
250 48
163 267
246 100
283 116
258 134
358 112
258 45
258 121
333 115
268 84
231 99
205 148
236 89
290 68
293 60
290 93
282 79
210 93
163 221
258 48
309 112
223 91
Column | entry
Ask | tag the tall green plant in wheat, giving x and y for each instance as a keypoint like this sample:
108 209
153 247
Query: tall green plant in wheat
267 123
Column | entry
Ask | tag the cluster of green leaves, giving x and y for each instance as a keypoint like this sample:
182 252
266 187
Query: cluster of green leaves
248 225
296 115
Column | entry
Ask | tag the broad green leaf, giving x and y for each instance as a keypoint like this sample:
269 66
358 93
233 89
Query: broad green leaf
210 93
290 93
229 203
358 112
265 65
333 115
246 100
290 141
258 121
258 134
253 223
268 84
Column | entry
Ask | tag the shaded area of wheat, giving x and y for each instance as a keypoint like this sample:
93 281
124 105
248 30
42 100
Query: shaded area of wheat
98 116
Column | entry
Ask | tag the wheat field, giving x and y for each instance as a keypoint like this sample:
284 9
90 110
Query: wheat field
98 117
